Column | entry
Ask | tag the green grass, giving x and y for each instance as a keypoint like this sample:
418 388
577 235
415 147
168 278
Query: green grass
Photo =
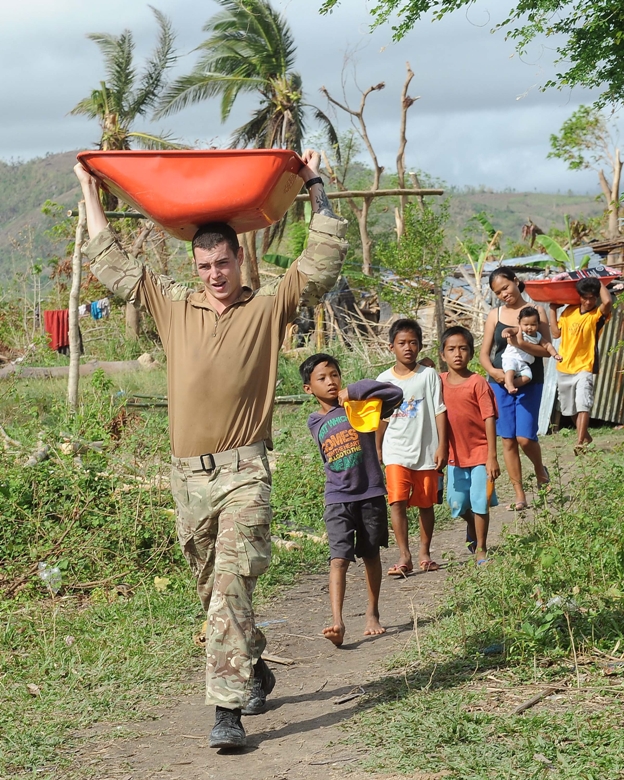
97 656
549 610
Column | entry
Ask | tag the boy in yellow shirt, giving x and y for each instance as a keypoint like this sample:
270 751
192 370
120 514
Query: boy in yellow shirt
579 328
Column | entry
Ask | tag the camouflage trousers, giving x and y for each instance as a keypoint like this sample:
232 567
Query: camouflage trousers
223 521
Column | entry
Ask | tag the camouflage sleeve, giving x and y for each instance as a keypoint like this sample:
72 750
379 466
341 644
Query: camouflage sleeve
131 279
315 272
322 259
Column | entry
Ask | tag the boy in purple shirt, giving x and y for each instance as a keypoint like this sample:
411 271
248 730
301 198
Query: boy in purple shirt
355 515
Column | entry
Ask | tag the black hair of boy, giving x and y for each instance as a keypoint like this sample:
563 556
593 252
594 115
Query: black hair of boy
528 311
458 330
398 326
588 286
309 364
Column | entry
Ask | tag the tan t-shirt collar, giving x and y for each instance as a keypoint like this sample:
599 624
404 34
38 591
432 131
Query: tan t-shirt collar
200 301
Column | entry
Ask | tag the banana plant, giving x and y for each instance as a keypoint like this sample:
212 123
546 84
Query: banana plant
477 261
564 259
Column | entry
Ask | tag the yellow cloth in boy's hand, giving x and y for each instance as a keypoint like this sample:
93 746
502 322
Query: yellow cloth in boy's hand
364 416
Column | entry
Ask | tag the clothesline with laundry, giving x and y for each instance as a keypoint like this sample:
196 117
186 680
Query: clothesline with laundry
56 323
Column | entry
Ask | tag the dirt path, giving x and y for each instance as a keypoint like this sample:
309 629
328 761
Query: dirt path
300 736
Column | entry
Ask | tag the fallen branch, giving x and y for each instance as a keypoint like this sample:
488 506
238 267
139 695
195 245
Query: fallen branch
8 441
355 694
537 698
276 659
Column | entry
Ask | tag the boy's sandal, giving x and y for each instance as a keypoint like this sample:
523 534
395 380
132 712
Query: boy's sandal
580 449
518 506
400 570
429 566
483 561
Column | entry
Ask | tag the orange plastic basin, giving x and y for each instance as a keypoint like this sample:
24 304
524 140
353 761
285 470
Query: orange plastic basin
181 190
563 292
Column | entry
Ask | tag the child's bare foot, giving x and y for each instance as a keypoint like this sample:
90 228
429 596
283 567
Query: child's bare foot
373 626
511 388
335 634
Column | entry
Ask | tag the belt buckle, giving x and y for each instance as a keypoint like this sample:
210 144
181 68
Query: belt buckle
211 461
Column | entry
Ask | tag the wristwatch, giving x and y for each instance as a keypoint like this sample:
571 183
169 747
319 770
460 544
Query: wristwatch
311 182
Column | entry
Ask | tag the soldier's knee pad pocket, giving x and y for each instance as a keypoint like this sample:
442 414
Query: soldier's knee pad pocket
253 542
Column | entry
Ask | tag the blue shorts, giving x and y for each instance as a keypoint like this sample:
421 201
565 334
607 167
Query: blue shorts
466 489
518 414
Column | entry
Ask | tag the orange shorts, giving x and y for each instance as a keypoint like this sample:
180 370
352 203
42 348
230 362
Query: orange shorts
417 488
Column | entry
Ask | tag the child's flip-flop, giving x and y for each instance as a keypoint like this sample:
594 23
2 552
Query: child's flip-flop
429 566
400 570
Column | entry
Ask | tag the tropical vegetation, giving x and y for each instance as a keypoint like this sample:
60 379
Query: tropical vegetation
250 49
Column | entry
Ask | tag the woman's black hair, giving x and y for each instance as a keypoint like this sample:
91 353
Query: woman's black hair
508 274
528 311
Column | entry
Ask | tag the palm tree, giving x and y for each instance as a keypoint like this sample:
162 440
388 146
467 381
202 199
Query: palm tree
250 49
120 101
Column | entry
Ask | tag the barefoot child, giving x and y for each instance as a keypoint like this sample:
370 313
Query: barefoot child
579 328
413 444
516 362
473 466
356 515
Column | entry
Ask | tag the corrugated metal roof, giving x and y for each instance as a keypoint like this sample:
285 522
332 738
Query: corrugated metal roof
609 390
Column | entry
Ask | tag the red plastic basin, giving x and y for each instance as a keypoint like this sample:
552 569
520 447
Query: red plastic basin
181 190
563 292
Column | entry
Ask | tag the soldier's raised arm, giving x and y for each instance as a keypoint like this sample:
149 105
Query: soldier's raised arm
96 219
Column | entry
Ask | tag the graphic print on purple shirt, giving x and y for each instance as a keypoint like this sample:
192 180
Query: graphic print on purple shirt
341 448
352 469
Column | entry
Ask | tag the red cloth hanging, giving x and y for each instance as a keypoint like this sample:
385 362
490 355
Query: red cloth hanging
56 324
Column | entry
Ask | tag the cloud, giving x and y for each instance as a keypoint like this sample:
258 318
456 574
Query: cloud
469 127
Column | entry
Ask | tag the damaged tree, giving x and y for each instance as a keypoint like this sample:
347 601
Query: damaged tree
359 122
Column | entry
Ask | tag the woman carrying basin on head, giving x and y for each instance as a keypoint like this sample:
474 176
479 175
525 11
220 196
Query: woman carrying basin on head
518 413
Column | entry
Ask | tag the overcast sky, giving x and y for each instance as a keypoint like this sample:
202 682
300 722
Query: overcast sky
481 119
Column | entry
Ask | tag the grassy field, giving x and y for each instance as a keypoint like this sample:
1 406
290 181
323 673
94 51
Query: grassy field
119 633
546 616
118 636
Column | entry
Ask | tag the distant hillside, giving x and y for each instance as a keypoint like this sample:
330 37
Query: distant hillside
24 187
508 211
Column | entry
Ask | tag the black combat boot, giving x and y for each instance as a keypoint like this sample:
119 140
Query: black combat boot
263 684
228 731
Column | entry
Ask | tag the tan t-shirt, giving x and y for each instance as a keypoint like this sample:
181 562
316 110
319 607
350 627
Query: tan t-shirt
222 370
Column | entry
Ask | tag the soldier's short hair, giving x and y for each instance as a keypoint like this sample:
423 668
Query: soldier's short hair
214 233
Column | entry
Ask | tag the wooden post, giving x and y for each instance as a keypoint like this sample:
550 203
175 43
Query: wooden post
74 303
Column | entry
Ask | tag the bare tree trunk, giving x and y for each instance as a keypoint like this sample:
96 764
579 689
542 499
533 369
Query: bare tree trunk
367 263
133 321
133 310
362 214
251 276
611 194
74 303
440 318
319 324
406 103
